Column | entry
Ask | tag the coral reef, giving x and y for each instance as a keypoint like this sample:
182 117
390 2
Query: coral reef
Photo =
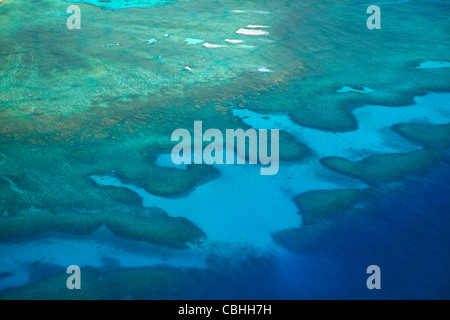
151 225
320 205
122 283
378 169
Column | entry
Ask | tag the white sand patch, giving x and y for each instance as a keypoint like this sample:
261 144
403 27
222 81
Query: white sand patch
256 26
151 41
264 69
192 41
252 32
434 65
112 44
233 41
212 46
350 89
251 11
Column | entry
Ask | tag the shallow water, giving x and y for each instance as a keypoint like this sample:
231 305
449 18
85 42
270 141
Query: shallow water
86 118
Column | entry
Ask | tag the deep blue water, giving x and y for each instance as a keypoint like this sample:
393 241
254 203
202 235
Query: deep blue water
405 233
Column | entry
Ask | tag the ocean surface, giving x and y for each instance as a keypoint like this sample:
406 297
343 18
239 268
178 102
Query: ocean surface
87 177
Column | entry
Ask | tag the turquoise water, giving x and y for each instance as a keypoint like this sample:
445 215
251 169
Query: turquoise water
86 177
